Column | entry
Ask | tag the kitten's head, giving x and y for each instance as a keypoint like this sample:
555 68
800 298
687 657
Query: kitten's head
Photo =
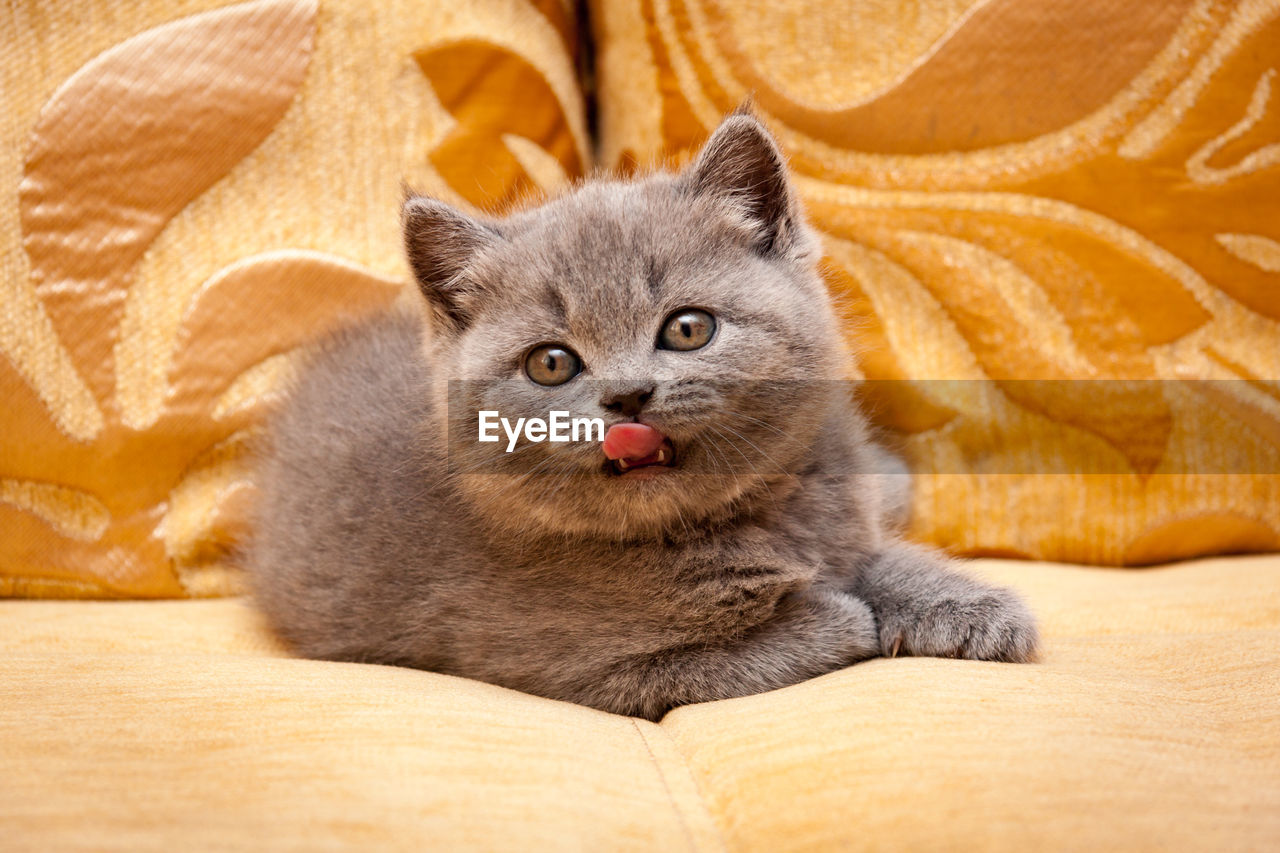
689 303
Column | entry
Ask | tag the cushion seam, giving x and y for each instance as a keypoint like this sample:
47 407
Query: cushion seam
662 774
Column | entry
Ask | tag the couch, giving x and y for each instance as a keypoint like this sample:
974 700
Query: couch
1008 191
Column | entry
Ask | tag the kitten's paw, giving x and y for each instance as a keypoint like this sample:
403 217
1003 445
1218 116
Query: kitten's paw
854 627
993 624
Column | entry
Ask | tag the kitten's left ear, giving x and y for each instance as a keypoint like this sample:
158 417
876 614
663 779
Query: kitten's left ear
442 244
742 164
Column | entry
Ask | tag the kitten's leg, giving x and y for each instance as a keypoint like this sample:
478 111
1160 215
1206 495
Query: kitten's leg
811 633
924 608
893 479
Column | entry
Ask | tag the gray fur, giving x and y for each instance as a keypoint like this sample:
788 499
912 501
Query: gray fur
765 557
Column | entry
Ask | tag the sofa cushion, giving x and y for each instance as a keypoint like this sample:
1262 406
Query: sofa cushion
195 188
1012 191
1152 722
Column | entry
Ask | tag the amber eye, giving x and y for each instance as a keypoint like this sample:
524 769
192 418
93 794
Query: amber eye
552 364
688 328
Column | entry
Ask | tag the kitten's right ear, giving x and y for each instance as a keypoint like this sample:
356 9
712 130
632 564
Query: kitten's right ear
442 243
741 163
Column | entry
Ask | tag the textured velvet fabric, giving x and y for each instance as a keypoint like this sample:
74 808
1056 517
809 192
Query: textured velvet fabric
193 189
1082 194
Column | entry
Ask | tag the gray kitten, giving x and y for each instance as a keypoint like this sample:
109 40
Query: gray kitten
733 537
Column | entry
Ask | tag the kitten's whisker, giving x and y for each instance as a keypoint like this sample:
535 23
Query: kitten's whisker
765 424
747 459
683 523
715 457
556 480
706 448
481 464
524 478
727 467
768 458
521 449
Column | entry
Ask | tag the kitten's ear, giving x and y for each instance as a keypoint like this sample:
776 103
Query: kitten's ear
742 164
442 243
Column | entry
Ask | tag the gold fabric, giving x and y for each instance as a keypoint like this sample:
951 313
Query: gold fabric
1013 190
195 190
1152 722
1010 190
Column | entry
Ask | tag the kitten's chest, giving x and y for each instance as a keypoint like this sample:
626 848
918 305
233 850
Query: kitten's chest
651 598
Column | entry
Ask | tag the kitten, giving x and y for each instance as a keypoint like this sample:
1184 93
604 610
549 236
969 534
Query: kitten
732 538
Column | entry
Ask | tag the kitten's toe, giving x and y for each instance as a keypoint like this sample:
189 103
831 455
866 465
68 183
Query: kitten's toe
1000 628
994 626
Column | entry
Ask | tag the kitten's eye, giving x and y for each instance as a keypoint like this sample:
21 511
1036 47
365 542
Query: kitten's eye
552 364
688 328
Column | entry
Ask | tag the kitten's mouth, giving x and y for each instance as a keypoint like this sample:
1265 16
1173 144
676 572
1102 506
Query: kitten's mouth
664 457
634 446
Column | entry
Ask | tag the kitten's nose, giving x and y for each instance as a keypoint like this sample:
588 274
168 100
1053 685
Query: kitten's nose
628 402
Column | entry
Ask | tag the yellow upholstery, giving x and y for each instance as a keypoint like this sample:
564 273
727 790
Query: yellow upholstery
1152 722
1010 190
1019 190
195 188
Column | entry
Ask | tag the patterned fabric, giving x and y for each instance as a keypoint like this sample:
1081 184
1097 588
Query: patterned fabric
1020 190
197 190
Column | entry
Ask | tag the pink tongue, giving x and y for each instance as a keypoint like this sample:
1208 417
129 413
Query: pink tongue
631 441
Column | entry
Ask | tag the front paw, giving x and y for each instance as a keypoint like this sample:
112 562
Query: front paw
991 624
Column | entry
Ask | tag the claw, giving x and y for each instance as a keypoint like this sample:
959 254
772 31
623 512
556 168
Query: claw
897 644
